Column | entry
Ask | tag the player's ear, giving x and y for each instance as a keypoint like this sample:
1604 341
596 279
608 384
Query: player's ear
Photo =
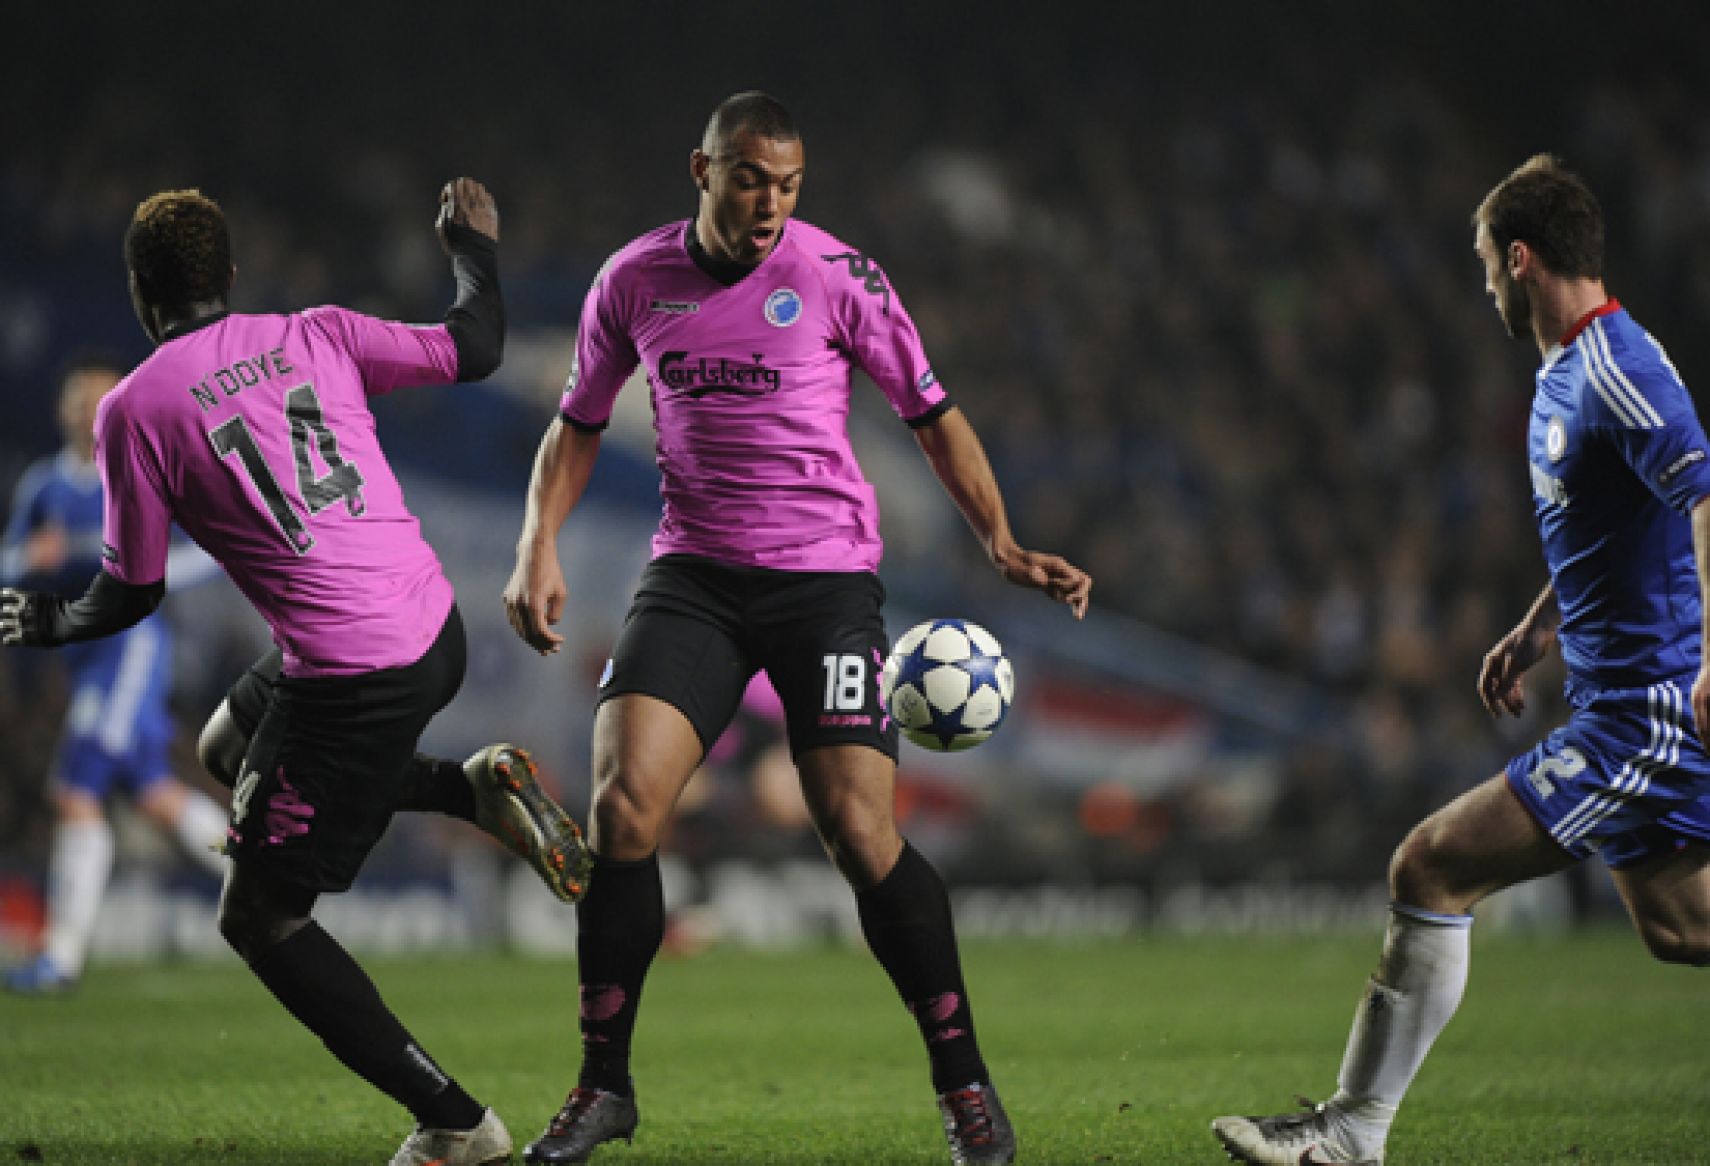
699 165
1519 259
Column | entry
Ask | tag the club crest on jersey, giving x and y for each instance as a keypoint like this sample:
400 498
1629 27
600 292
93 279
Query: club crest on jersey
783 307
1555 439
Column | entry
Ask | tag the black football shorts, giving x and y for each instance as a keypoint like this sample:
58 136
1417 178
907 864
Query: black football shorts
698 630
327 759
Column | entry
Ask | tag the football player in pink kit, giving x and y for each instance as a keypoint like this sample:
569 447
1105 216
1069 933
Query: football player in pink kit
749 324
253 433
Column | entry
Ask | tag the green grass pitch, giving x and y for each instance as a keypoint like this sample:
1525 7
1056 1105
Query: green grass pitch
1574 1050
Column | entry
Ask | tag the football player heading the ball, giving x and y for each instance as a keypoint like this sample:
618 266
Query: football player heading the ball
749 324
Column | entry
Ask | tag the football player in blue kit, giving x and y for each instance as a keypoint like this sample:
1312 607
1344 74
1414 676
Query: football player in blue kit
117 726
1621 493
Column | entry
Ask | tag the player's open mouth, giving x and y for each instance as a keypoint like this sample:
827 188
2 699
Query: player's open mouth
762 235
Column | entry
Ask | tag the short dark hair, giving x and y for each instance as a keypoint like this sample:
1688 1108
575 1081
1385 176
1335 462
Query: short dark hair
1551 210
179 249
749 112
92 360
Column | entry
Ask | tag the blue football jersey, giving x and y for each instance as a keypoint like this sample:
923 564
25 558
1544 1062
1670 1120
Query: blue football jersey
65 491
1618 460
62 491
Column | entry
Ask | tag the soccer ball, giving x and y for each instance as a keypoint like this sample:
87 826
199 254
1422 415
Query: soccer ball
948 684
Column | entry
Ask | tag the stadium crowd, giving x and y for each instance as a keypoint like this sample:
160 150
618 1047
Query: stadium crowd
1219 323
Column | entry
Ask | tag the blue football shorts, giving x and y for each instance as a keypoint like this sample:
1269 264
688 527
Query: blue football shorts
1626 778
118 727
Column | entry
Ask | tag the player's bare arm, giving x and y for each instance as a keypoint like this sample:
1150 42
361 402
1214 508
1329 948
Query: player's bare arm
959 459
534 597
1500 685
466 203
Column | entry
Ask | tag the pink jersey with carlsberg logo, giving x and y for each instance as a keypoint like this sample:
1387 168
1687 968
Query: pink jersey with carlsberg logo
253 433
750 388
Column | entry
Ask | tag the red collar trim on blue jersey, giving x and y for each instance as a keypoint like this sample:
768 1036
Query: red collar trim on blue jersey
1605 308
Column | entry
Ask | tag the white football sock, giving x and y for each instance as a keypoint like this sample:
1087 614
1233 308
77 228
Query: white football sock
201 830
78 868
1418 986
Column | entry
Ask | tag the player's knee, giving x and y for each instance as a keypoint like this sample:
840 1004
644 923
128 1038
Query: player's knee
255 915
220 747
863 848
163 803
622 828
1417 874
241 927
1677 945
252 930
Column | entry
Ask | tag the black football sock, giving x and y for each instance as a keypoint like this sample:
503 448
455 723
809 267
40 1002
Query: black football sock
906 919
620 925
318 983
438 786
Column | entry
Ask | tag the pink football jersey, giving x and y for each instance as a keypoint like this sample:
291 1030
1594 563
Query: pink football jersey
750 388
253 433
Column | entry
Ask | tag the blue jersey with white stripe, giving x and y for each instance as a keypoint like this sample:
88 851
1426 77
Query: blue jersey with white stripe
1618 460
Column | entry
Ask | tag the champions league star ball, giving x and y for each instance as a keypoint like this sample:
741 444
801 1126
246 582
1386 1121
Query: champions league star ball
948 684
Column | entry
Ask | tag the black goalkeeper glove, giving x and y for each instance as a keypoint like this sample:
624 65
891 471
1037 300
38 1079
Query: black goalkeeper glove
26 617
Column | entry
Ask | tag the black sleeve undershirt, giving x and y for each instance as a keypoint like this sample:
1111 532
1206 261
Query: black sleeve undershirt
107 608
476 320
927 418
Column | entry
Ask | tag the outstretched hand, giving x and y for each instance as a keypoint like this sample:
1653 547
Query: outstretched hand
20 617
1052 574
466 202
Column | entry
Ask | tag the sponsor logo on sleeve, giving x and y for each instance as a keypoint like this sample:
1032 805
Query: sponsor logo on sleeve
1555 439
674 307
1551 489
1679 466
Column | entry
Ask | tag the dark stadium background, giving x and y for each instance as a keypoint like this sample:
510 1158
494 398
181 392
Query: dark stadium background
1202 279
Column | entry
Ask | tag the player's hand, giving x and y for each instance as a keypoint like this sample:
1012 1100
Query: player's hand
46 549
534 600
1701 702
1052 574
21 617
466 202
1499 678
